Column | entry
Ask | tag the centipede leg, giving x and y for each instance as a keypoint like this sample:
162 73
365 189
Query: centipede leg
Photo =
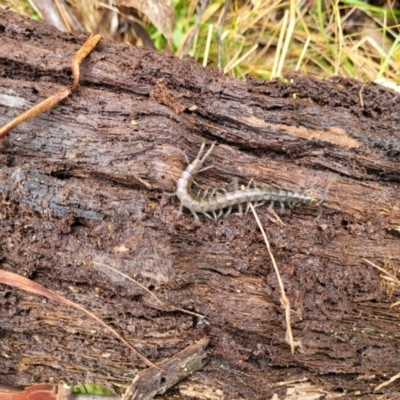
228 211
208 216
171 193
214 191
206 168
180 210
195 215
319 214
249 185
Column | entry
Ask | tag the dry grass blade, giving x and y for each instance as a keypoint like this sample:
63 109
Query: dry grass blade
275 68
350 38
221 28
207 50
61 94
288 37
391 279
240 60
186 44
382 270
20 282
391 380
170 307
284 300
159 12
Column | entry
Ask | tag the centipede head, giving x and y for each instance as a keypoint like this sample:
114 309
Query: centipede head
314 203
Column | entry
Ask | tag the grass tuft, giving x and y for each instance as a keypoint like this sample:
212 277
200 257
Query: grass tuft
259 38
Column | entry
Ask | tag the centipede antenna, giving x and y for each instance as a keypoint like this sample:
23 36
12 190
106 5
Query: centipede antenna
319 204
319 214
323 198
208 152
201 150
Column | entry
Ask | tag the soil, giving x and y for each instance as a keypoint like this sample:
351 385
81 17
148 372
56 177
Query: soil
82 188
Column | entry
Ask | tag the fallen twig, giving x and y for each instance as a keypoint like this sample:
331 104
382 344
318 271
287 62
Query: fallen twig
61 94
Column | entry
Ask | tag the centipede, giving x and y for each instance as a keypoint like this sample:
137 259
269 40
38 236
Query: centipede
216 203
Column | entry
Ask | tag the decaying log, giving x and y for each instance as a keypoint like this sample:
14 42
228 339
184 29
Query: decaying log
82 188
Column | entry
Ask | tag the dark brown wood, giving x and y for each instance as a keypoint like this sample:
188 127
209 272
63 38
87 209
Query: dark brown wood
82 188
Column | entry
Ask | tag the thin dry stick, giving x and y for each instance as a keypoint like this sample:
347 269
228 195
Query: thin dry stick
284 300
392 379
61 94
173 308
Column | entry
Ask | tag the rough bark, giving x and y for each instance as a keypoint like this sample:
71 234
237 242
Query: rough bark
82 186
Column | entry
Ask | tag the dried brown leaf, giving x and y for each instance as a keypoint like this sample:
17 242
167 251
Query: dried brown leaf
159 12
20 282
